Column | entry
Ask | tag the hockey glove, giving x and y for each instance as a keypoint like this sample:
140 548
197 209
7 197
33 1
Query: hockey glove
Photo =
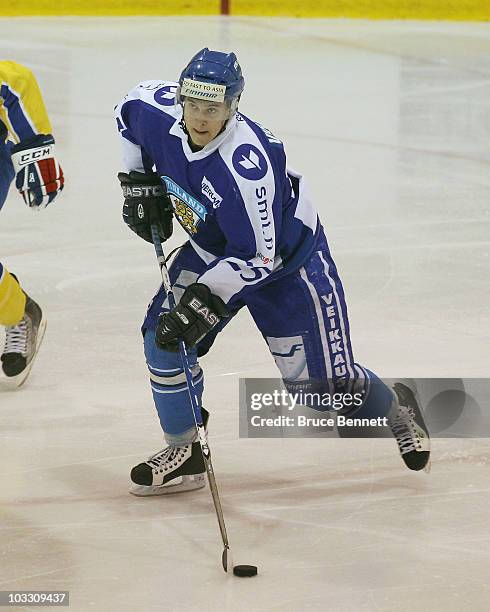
39 175
197 313
145 203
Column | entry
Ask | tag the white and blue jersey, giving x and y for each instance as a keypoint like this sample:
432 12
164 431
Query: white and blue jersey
255 240
248 217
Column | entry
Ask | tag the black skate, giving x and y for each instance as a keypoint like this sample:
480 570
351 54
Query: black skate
408 427
22 342
172 470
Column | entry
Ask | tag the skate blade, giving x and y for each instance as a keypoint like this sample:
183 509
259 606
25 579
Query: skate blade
428 466
187 483
14 382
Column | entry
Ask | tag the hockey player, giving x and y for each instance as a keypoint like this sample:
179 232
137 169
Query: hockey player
255 240
26 153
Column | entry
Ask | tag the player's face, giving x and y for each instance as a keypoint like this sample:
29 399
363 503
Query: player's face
204 120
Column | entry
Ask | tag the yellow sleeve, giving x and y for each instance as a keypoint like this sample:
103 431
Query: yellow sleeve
22 109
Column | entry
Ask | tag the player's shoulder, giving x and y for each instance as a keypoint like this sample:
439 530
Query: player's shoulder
252 153
250 132
11 71
262 133
155 95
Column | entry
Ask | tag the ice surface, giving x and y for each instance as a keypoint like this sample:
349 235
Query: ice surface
389 121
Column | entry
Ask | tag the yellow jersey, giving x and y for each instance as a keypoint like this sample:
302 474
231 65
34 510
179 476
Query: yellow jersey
22 111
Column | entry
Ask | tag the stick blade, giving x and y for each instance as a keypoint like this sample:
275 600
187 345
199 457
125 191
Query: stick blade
227 559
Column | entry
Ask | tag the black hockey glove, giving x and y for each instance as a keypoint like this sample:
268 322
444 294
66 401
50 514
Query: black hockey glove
196 314
145 202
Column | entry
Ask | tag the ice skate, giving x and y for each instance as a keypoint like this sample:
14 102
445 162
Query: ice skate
409 429
172 470
22 342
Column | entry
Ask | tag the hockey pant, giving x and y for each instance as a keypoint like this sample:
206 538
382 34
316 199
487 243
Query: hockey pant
303 319
12 299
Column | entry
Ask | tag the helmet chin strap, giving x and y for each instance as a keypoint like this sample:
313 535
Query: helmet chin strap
194 147
233 107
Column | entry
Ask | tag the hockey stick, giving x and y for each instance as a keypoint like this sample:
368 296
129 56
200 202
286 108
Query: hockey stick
226 558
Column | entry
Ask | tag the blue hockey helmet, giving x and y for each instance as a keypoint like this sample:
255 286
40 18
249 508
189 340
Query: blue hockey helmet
213 76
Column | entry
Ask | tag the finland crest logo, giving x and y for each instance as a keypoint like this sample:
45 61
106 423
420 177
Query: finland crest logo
249 162
189 211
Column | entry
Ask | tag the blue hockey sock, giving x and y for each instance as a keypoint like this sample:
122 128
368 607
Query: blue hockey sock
378 400
169 389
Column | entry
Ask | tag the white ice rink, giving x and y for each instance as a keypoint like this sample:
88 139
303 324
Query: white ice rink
390 124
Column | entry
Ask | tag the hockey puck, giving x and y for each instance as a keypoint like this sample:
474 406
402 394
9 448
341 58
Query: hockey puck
245 571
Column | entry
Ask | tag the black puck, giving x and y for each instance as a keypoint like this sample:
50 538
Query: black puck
245 570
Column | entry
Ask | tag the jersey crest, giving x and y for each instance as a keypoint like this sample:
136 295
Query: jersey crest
189 211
